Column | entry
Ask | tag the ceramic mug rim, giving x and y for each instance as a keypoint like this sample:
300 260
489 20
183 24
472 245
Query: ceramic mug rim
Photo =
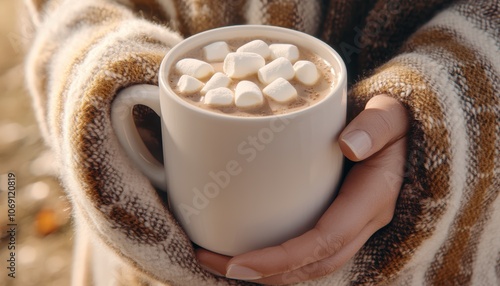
192 41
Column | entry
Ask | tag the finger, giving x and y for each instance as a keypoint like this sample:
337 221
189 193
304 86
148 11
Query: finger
326 266
323 267
212 262
383 121
359 202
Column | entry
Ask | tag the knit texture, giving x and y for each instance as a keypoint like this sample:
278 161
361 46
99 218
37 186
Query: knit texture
439 58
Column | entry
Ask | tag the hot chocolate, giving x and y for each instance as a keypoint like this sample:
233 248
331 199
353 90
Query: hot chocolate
234 172
251 77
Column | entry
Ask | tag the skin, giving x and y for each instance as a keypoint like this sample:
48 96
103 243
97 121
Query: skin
368 204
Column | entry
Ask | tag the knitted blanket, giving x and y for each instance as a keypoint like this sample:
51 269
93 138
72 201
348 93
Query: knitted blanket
439 58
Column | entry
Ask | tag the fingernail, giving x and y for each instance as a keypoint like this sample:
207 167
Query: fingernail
358 141
239 272
215 272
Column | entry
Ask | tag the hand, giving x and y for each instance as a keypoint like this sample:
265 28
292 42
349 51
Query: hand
376 139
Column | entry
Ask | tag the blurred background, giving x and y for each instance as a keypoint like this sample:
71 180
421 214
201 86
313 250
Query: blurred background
43 234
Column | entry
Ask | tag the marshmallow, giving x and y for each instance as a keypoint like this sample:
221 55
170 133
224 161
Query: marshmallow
240 65
248 94
306 72
216 52
257 46
288 51
188 84
217 80
280 67
281 91
193 67
221 96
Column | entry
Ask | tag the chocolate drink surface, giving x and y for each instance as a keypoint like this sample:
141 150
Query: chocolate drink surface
288 77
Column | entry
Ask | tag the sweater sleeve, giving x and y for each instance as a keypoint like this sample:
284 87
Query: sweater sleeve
83 53
445 229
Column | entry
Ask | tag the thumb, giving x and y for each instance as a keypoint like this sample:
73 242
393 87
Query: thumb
383 121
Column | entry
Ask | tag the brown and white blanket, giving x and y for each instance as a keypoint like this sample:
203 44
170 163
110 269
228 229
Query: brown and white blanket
440 58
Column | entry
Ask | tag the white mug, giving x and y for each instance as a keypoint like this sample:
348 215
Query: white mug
236 183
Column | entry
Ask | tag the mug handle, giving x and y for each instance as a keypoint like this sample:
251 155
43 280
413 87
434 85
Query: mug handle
123 124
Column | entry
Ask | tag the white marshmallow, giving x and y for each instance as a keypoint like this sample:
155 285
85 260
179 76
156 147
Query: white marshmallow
188 84
216 52
306 72
217 80
280 67
257 46
248 94
240 65
281 91
193 67
221 96
288 51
